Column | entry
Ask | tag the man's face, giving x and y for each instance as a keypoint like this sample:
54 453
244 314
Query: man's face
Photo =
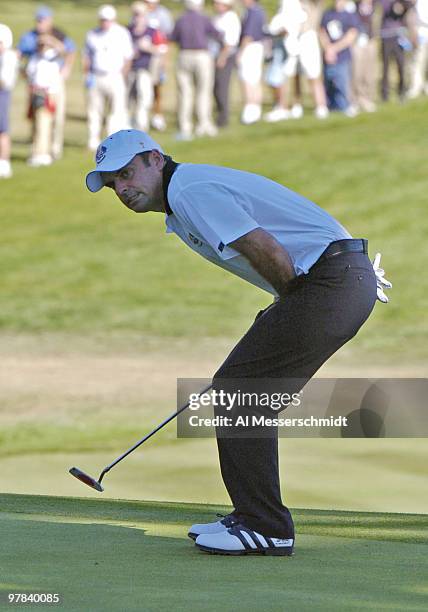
105 24
44 25
138 186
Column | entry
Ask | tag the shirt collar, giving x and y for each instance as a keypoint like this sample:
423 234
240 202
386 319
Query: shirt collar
168 170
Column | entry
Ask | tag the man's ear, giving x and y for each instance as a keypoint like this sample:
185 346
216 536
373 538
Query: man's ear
157 159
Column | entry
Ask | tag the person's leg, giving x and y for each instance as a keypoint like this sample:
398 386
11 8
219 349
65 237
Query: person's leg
144 99
118 118
95 110
386 56
342 79
5 168
58 122
43 120
204 83
330 86
371 76
399 55
417 71
221 91
291 339
250 72
185 93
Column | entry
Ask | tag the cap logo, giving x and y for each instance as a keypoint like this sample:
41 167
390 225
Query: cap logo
100 154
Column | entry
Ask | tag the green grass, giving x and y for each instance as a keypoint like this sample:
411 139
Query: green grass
81 264
121 555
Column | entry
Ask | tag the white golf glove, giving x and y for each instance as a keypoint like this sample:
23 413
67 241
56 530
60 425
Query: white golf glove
381 281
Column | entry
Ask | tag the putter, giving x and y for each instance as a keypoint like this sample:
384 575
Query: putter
96 484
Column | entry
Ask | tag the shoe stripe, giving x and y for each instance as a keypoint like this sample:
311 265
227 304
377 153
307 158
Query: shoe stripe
270 543
262 540
256 538
236 532
250 539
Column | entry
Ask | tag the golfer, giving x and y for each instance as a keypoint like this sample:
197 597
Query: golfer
322 281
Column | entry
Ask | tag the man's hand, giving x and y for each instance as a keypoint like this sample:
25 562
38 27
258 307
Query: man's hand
381 281
267 257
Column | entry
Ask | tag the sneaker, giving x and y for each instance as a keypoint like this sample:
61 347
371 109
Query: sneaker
158 123
369 107
251 113
209 528
239 540
351 111
296 111
278 113
5 169
321 112
35 161
206 130
183 137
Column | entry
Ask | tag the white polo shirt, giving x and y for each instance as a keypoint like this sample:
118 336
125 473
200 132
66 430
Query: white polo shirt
213 206
108 50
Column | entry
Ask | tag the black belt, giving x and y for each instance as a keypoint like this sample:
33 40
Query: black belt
351 245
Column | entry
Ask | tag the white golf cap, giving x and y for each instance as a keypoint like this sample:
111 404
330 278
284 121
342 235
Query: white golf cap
6 36
116 151
107 12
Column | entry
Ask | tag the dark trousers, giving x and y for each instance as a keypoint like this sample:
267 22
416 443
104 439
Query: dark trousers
391 49
221 91
292 338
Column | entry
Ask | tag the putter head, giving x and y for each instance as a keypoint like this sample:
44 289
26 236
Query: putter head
88 480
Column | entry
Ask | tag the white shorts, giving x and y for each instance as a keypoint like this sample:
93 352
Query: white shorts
250 65
309 57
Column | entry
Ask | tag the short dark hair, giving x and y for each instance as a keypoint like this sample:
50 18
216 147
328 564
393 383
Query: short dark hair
145 157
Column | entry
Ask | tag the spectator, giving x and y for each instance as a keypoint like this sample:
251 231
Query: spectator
140 79
394 42
250 60
195 69
338 32
44 77
160 19
228 24
107 58
298 20
419 67
8 70
27 46
364 59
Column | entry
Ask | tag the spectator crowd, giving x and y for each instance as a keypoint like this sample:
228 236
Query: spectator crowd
333 46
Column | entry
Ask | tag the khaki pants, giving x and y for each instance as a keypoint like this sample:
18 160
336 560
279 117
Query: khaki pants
141 95
58 122
110 89
43 122
419 70
195 80
364 74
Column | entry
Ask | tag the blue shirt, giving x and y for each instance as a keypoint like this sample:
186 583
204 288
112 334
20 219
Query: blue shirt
213 206
337 24
27 44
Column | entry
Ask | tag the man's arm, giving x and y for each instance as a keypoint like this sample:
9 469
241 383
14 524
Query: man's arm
267 257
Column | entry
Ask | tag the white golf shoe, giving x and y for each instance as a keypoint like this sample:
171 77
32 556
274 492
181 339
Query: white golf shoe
209 528
239 540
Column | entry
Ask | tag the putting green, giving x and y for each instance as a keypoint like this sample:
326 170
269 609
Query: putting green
121 555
